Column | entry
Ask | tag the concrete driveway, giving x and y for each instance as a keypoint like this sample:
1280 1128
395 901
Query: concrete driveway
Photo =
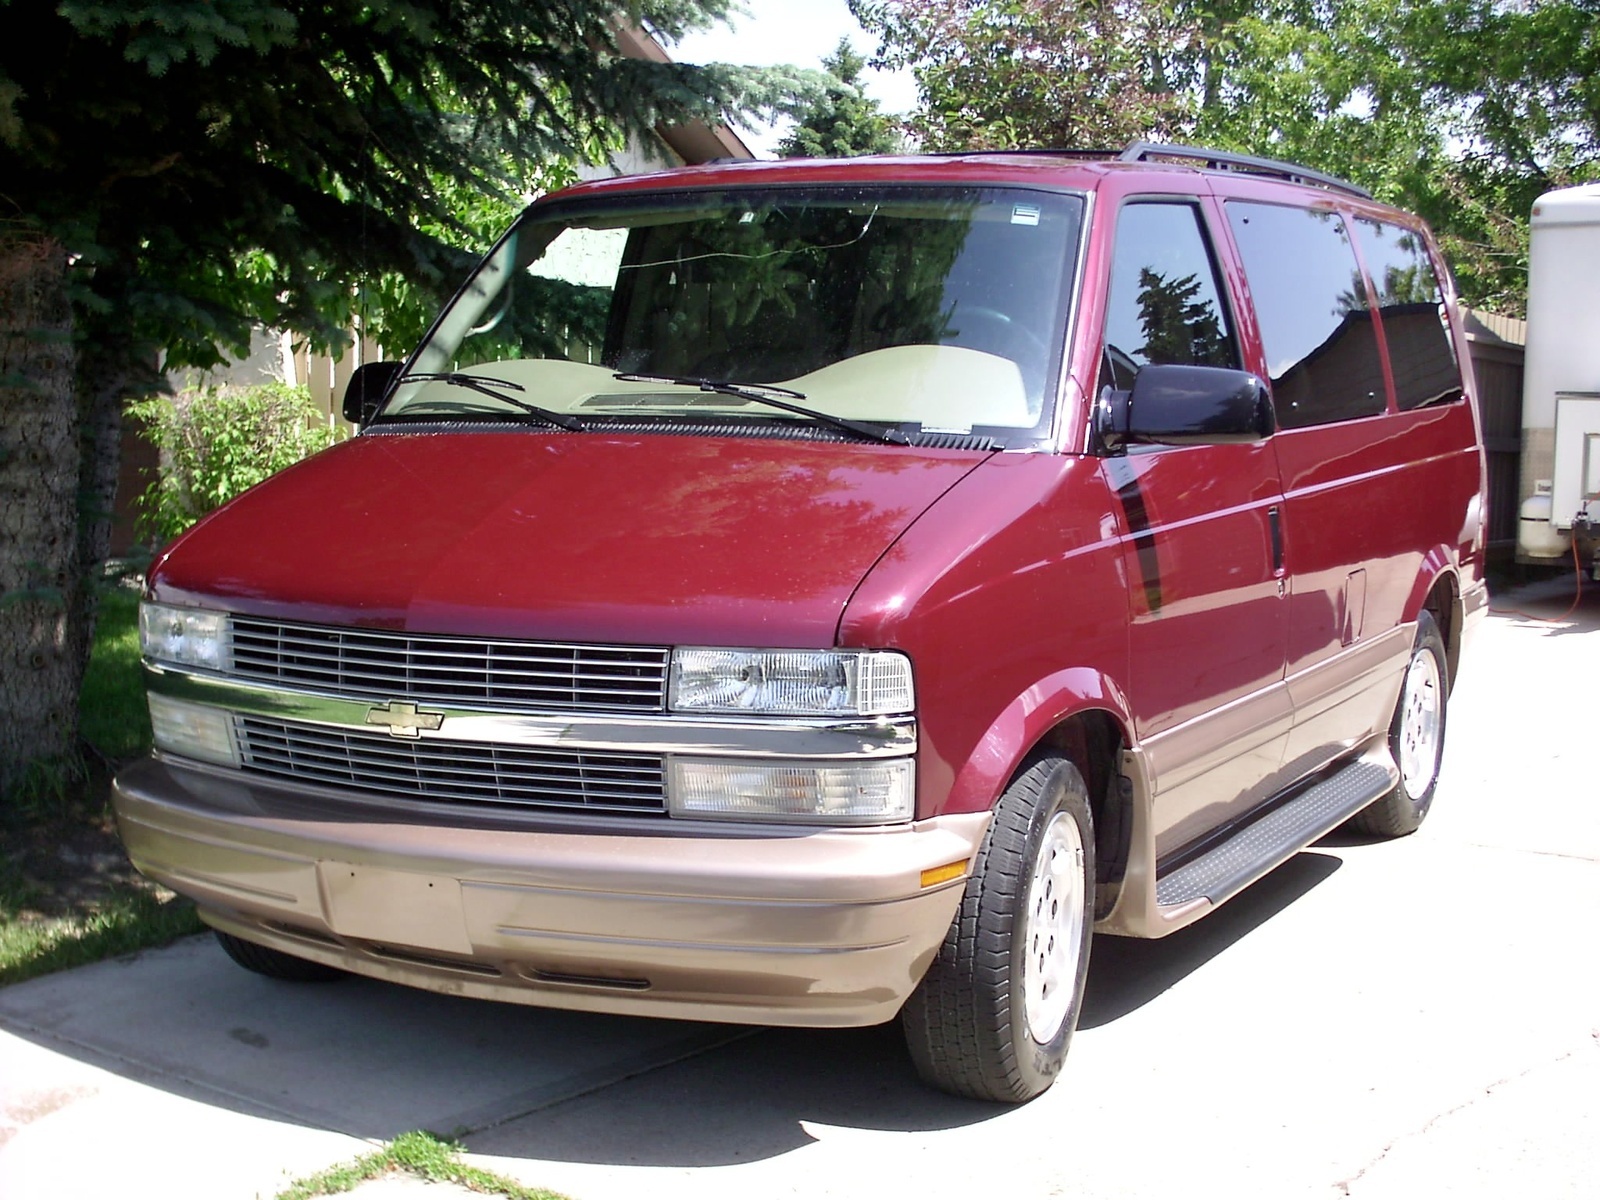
1411 1019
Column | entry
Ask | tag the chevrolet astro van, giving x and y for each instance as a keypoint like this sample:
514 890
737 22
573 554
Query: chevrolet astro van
811 593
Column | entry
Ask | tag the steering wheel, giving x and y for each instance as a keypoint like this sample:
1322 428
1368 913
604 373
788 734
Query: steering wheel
1003 329
501 306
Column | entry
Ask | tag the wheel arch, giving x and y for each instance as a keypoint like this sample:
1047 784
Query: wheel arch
1093 740
1438 591
1083 717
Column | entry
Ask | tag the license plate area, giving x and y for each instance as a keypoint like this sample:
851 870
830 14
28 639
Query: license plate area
400 908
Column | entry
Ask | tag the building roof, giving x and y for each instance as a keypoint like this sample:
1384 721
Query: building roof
695 141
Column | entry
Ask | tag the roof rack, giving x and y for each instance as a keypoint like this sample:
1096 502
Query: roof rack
1215 160
1226 160
1025 152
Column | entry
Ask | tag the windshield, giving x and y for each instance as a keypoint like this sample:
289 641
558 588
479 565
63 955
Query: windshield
918 309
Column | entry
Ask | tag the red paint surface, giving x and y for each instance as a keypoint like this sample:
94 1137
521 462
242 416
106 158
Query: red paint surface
1026 587
587 537
1014 575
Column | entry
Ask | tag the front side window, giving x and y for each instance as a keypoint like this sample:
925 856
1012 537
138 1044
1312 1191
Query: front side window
916 309
1165 304
1311 303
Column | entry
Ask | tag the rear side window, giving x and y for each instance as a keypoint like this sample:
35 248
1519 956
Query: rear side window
1311 304
1411 307
1165 305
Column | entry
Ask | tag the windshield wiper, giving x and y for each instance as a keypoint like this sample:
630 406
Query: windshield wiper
766 393
488 385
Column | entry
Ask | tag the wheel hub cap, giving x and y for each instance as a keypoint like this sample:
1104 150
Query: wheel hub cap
1054 931
1420 726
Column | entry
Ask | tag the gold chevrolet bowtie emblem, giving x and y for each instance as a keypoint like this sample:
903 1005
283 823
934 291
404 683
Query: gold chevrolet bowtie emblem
404 720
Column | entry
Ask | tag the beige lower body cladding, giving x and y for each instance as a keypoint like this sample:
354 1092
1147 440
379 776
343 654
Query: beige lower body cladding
703 922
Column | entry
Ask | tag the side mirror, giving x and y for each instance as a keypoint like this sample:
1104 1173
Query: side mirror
1187 406
369 384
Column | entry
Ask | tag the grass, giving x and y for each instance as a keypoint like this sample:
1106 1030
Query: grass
35 941
422 1155
68 895
112 716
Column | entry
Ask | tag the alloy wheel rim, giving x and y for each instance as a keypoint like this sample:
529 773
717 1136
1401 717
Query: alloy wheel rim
1421 723
1053 936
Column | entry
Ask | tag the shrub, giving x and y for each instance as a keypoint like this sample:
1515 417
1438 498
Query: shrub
217 441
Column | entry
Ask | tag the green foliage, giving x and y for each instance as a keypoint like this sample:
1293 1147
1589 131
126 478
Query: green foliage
421 1155
1461 110
1365 90
996 74
205 166
127 919
321 144
842 122
217 441
44 787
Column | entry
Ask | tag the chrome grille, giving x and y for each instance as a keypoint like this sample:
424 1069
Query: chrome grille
504 675
452 772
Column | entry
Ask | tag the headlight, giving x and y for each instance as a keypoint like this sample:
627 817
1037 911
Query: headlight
190 637
857 793
792 683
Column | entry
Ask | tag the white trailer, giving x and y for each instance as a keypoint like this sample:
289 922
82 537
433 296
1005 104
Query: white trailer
1561 384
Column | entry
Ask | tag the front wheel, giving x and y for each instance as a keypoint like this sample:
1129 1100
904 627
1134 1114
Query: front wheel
1416 738
275 964
994 1014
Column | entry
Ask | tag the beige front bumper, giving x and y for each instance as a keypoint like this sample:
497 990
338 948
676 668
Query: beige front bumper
705 922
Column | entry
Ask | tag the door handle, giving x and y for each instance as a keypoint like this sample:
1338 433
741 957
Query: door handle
1275 523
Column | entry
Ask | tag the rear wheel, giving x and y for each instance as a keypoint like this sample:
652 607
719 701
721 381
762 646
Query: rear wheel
994 1014
1416 738
275 964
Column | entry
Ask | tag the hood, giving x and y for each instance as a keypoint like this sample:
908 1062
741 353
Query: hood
594 537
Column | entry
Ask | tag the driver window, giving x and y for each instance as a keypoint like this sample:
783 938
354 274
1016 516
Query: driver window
1165 304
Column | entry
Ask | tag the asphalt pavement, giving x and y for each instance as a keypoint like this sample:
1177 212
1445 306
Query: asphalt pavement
1414 1018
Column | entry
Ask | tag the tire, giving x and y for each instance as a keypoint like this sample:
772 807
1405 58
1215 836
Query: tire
1416 739
993 1016
275 964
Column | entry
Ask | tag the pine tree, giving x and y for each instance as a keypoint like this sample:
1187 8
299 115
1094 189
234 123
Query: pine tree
842 122
1178 328
183 169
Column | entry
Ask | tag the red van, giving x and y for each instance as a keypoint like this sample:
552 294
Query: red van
810 592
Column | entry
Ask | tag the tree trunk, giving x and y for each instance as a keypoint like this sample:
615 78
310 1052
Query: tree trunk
41 662
102 383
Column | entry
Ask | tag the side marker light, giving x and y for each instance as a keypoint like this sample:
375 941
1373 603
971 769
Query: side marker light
937 875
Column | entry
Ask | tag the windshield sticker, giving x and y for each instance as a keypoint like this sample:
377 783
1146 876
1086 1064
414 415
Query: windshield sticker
1024 214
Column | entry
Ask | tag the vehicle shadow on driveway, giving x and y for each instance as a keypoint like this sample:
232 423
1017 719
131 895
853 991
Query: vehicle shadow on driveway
1127 973
375 1060
759 1097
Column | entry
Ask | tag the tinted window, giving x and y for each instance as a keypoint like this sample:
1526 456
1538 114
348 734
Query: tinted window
1311 305
1165 305
1411 307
